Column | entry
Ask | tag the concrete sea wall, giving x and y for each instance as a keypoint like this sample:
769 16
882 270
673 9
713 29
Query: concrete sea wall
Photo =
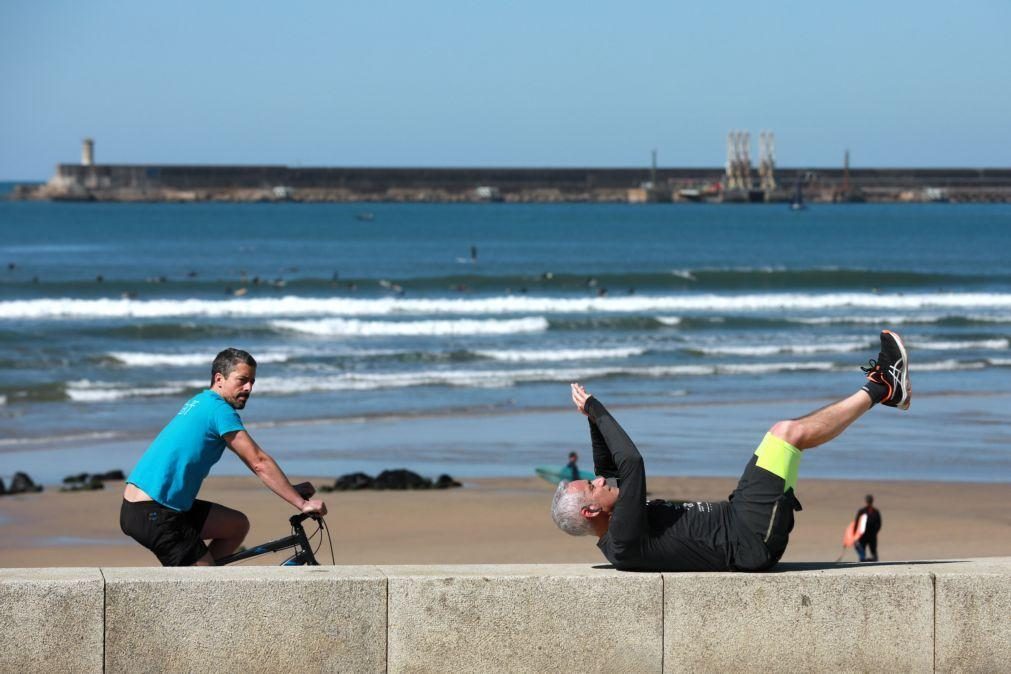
141 182
952 616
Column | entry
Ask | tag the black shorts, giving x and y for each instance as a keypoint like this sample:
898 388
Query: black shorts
173 536
761 518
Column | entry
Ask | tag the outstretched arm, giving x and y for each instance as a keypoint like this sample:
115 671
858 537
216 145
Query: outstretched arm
603 462
271 474
628 520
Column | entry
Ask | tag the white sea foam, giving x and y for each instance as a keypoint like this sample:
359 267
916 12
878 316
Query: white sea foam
94 392
893 320
773 349
505 378
147 359
339 327
987 344
293 306
669 320
356 381
946 365
18 443
866 320
549 355
84 391
771 368
3 400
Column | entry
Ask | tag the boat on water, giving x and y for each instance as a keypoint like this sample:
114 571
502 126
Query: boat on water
365 216
797 202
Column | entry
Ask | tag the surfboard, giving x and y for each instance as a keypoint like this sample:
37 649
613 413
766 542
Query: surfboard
851 535
556 475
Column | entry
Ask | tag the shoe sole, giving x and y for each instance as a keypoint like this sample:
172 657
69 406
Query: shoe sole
904 403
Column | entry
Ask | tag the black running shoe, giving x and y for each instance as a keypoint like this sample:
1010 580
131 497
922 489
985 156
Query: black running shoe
891 370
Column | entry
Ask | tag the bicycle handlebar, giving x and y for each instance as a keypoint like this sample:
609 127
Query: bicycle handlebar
301 517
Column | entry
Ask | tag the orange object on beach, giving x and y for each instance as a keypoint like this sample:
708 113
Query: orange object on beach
851 535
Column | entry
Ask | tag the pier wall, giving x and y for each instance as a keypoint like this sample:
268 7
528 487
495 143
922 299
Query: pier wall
135 182
903 616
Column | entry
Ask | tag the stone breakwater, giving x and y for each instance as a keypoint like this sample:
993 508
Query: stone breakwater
939 616
111 182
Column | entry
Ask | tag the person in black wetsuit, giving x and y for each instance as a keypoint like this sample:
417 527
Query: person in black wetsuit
572 468
868 541
748 532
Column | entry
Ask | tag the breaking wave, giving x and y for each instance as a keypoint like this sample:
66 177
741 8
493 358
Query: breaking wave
294 306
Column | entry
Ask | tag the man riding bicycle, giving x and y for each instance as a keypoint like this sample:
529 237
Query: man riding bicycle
160 509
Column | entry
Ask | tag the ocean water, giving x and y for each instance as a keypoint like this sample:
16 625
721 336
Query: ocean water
444 336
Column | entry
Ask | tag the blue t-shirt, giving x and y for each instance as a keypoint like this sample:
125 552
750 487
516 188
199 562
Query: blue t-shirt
175 465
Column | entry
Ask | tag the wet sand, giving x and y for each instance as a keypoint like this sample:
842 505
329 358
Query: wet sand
506 520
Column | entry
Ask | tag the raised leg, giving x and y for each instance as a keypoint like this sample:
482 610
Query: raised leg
822 425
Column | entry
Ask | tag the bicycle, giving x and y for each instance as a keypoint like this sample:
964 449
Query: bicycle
304 555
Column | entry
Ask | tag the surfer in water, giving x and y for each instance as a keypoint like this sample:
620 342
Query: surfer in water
748 532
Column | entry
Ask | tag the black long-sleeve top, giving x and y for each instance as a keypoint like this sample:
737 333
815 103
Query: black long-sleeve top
873 524
658 535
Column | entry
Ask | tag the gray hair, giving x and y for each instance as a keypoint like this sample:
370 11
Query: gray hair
566 511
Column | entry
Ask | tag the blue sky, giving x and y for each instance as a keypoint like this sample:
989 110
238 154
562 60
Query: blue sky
518 83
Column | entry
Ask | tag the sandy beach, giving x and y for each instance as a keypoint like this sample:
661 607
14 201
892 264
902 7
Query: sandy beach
506 520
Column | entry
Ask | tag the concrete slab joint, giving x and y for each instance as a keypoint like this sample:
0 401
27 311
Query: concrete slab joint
972 616
51 620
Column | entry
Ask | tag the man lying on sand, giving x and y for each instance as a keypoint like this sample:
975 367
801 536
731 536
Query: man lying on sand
749 532
160 509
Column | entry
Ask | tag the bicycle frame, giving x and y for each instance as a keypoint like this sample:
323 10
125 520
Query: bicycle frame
298 541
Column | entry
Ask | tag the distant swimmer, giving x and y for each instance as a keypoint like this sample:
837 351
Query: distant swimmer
11 266
160 508
748 532
395 287
469 260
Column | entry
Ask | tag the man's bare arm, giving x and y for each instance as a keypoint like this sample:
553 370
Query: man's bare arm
270 473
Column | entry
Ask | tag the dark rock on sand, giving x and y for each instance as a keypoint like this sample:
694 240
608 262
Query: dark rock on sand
399 479
22 484
402 478
354 482
445 482
91 481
